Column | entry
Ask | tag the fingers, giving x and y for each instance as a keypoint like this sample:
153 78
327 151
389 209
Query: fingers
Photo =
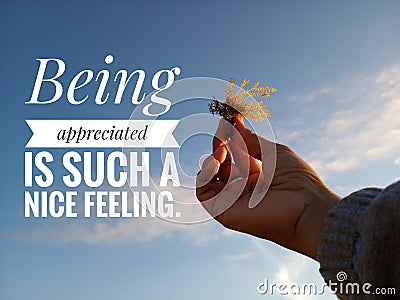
246 163
243 185
251 140
242 142
222 134
206 184
221 151
220 154
221 181
217 196
219 169
233 193
208 170
213 175
217 204
245 148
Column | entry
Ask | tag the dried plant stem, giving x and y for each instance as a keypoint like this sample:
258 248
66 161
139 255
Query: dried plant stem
237 104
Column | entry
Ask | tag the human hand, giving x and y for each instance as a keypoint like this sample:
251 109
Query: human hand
291 212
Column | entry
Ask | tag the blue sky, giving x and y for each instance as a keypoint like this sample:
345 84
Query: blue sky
337 70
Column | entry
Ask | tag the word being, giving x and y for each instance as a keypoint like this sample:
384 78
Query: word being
84 77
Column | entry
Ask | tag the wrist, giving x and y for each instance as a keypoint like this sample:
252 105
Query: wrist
312 221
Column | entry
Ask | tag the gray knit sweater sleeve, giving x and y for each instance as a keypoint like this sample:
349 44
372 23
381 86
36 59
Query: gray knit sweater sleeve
361 243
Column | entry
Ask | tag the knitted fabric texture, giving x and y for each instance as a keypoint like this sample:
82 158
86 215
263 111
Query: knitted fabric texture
362 239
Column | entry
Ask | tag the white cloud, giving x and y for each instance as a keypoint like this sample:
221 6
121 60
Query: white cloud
343 190
289 136
295 271
289 268
241 256
135 230
397 161
139 229
286 273
310 97
364 130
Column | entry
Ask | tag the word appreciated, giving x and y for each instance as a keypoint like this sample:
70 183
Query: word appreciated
76 135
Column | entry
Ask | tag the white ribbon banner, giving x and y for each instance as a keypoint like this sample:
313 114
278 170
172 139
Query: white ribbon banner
102 133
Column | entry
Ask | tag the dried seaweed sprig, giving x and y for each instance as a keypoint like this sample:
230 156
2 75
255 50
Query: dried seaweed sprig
236 103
